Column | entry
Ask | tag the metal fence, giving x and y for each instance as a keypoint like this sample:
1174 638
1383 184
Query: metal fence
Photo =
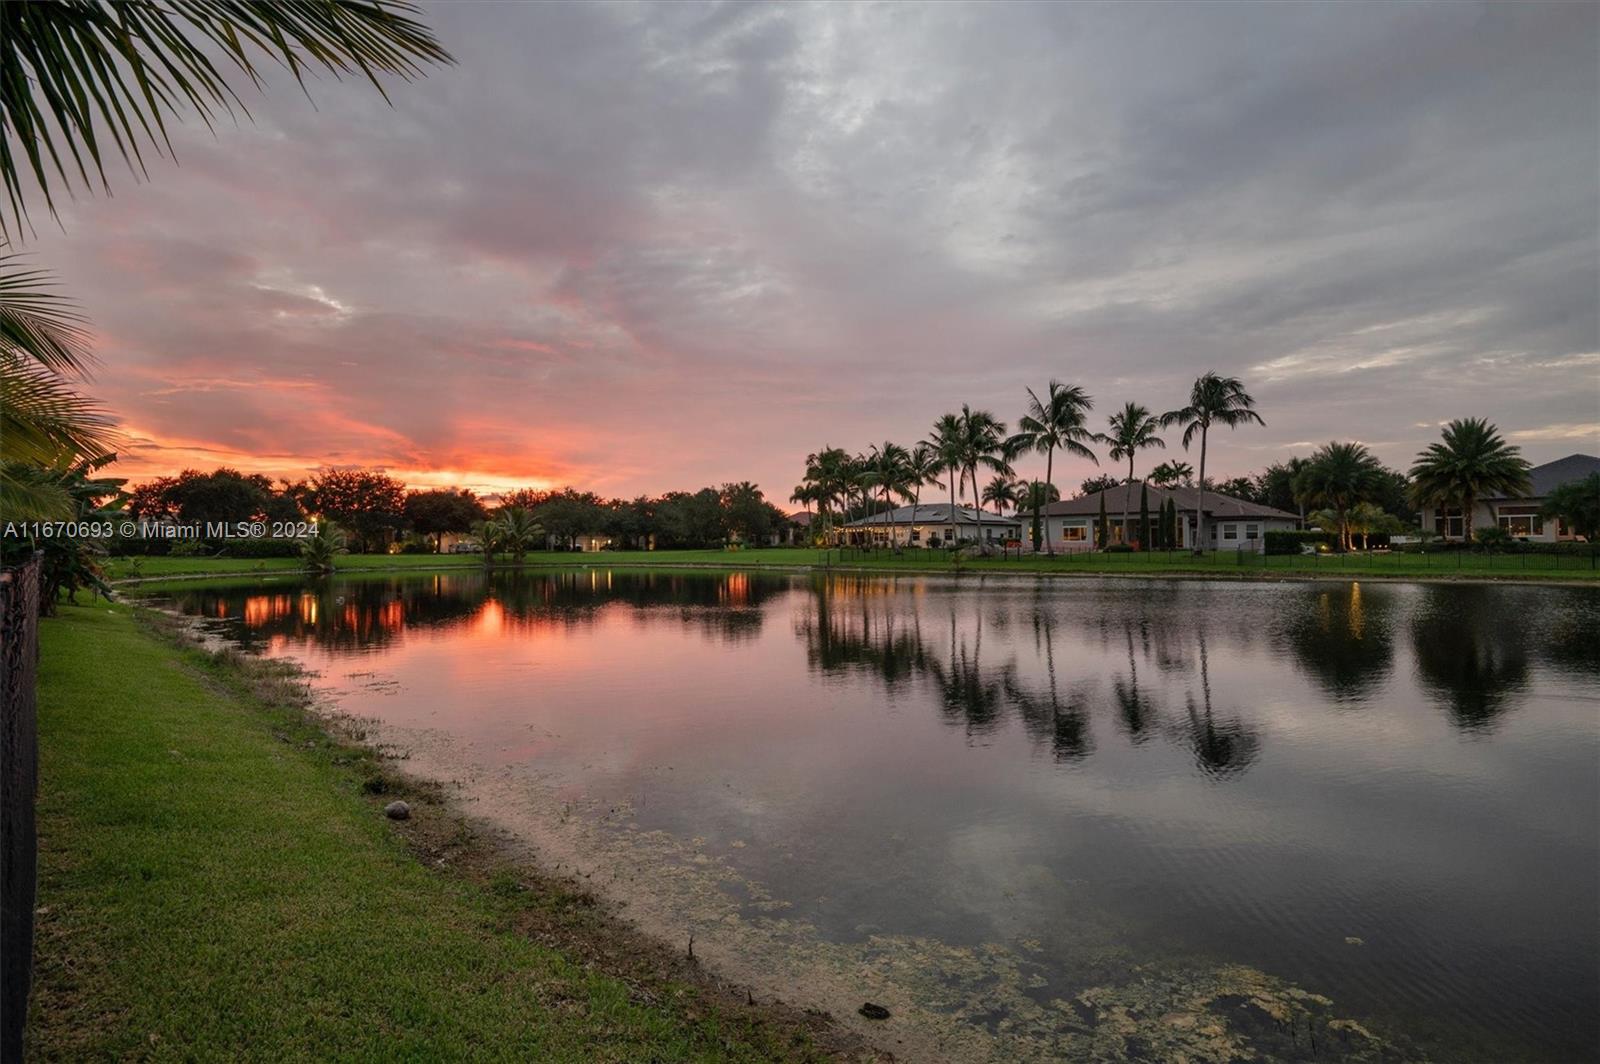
19 777
1375 562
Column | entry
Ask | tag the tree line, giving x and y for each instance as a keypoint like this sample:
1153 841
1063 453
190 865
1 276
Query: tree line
373 510
1341 487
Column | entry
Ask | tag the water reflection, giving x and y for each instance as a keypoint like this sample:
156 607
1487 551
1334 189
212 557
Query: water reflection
1342 637
1253 772
1472 653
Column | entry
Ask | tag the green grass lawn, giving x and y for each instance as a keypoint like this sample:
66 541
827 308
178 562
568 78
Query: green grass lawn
1447 565
214 884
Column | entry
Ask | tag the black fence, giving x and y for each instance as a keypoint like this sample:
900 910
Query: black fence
19 777
1408 562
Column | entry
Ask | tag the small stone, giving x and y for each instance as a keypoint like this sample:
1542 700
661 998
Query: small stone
397 811
873 1012
1352 940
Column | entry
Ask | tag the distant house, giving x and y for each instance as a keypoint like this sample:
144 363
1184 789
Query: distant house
1230 523
1518 516
795 531
927 525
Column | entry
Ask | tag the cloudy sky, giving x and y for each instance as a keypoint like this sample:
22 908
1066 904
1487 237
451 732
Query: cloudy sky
644 248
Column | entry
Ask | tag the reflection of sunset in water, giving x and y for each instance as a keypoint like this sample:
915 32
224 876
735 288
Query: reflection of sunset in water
1246 772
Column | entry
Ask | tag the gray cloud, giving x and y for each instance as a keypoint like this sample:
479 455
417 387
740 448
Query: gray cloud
655 246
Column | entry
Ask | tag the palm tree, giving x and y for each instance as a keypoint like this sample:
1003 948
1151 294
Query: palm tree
1339 476
1002 491
1056 423
81 74
488 534
922 467
948 448
45 424
518 530
1133 429
826 474
1471 461
983 443
886 470
322 550
1214 400
1171 474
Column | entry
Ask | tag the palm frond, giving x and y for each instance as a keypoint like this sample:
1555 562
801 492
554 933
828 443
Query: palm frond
83 79
38 324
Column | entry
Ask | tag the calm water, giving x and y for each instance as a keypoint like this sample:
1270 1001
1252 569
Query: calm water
1388 794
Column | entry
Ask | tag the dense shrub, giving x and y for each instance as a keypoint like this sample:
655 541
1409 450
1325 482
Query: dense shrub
259 548
1117 548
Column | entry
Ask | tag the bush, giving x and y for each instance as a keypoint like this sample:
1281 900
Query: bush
1292 541
1117 548
260 548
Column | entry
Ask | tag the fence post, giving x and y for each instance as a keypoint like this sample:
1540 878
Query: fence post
19 778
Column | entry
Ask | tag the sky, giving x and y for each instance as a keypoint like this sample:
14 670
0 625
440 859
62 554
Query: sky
645 248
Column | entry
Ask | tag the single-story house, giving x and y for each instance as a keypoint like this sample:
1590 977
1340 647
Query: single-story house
795 531
1519 516
927 525
1231 524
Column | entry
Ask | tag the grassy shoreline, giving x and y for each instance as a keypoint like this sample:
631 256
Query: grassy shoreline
216 874
1532 569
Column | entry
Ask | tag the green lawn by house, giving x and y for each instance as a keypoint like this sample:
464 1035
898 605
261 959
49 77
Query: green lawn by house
214 883
1437 565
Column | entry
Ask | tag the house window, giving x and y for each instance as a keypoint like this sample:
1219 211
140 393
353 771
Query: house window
1447 523
1074 533
916 535
1252 532
1230 531
1522 524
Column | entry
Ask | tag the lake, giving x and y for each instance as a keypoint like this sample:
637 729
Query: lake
1125 819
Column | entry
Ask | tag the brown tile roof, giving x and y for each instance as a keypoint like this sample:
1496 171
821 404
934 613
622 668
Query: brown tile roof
1217 506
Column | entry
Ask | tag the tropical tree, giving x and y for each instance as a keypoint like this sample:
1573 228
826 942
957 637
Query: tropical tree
1468 463
983 443
1577 503
1001 492
947 445
1214 400
1133 429
321 551
70 559
1144 516
44 423
82 79
1171 474
888 471
1056 422
489 536
368 504
1339 476
922 467
518 530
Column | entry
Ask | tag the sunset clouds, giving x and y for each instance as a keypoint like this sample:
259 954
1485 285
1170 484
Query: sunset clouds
639 248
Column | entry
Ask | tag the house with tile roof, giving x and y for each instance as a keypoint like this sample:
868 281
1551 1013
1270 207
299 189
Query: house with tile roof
1519 516
1231 524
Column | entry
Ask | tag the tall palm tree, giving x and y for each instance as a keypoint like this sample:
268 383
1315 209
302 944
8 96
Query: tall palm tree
81 79
1133 429
1002 491
1338 476
983 444
1214 400
1470 462
886 470
1054 423
44 422
922 467
826 473
947 444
